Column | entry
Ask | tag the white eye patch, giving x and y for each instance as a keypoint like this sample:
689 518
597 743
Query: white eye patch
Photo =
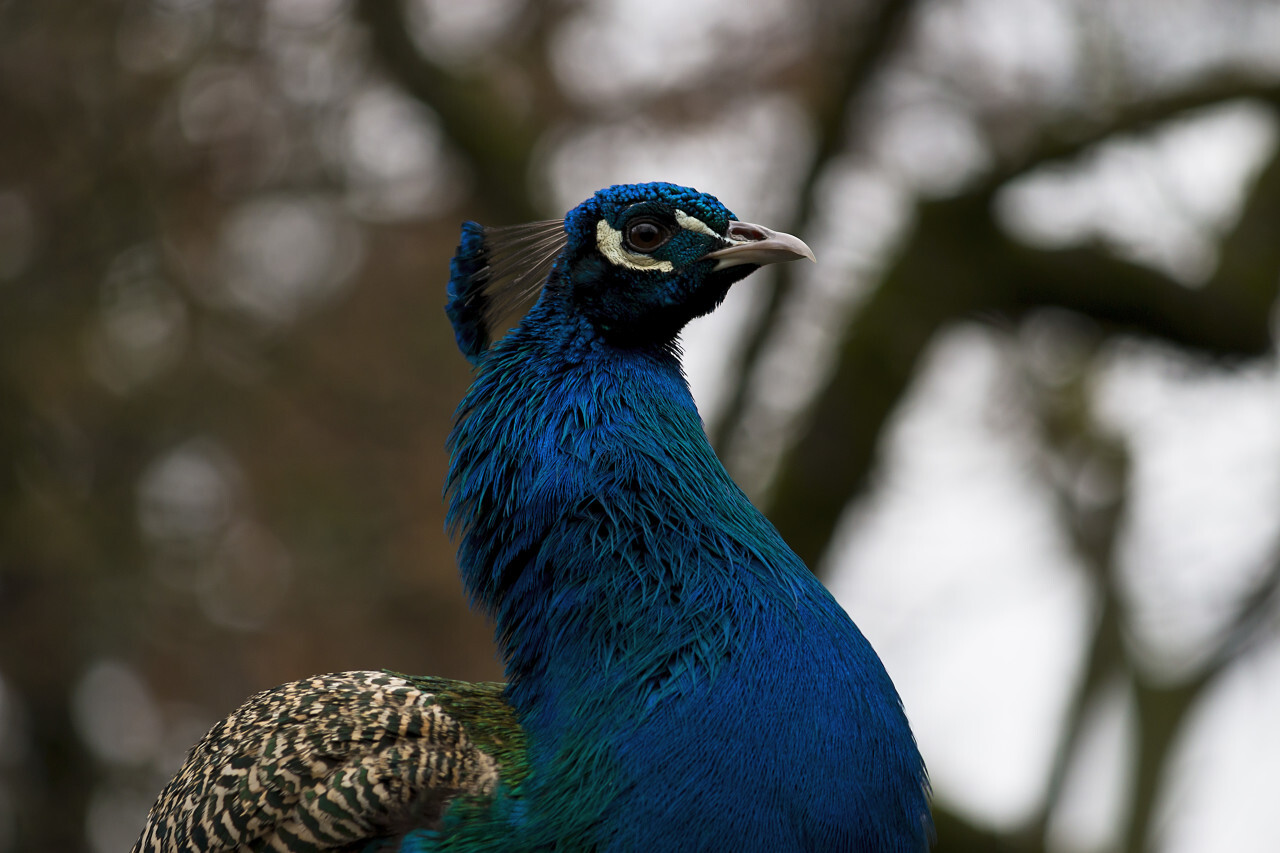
692 223
609 241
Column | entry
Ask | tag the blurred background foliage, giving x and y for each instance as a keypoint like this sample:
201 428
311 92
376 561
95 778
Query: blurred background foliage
1024 416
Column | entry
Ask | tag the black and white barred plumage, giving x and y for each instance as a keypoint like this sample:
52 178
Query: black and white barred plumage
330 762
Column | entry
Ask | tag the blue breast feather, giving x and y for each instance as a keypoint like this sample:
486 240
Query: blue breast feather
684 681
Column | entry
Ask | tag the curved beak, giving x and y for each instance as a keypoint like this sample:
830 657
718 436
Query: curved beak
755 244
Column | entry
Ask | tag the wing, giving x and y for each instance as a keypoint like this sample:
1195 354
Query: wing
335 761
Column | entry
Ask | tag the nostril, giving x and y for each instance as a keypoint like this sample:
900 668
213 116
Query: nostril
746 232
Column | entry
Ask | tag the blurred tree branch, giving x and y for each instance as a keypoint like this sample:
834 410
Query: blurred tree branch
1074 441
497 141
859 49
1070 432
957 262
1163 708
1064 139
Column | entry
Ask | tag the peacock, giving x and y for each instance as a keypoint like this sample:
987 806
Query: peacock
677 679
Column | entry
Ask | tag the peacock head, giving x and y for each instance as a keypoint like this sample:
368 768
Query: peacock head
637 261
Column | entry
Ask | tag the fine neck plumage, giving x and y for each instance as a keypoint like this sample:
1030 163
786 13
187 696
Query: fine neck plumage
595 508
659 636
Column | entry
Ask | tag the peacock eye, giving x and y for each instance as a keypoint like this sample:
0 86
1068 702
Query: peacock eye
645 235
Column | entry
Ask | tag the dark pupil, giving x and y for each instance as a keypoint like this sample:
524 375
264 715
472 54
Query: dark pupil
645 236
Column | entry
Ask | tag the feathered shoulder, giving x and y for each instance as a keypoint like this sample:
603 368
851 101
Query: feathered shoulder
336 761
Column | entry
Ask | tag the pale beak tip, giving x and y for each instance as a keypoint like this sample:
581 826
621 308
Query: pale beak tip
755 244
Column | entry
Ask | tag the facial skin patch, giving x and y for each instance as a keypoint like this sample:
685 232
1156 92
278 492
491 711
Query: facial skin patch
609 240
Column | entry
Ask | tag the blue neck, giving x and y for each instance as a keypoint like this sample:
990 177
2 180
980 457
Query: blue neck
645 608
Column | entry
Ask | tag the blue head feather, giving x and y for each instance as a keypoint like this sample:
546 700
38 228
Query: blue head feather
493 269
683 679
468 303
614 202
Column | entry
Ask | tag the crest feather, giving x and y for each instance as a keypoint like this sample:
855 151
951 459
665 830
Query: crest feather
493 271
